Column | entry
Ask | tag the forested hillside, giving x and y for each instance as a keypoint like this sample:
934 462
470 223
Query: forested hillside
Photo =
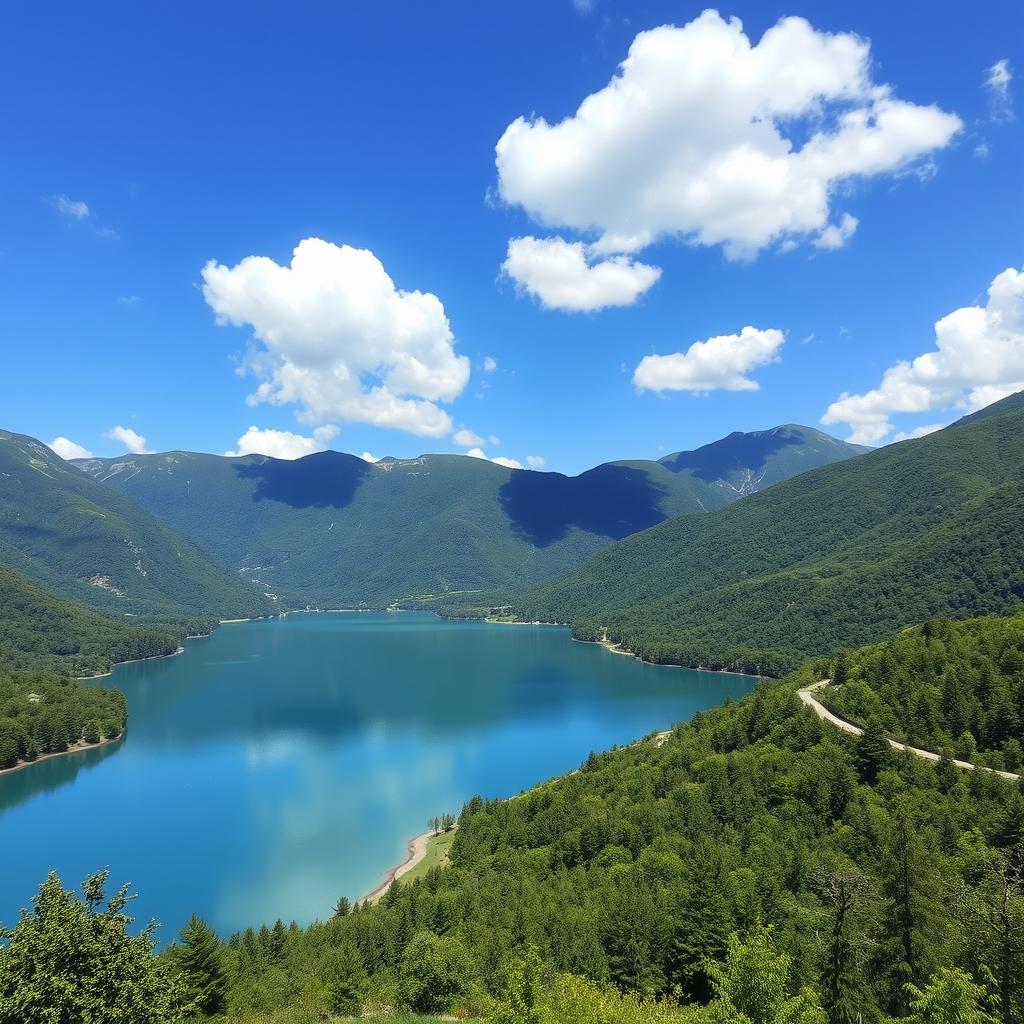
41 714
86 542
333 530
42 631
842 555
946 686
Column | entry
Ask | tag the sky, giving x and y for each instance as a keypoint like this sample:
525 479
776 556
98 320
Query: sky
552 233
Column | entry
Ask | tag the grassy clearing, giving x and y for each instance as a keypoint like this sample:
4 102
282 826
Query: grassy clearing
436 856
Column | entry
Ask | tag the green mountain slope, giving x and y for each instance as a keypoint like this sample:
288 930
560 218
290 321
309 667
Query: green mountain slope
842 555
331 529
86 542
41 631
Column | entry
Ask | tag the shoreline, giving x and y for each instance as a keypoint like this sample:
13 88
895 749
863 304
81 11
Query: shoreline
417 850
133 661
78 748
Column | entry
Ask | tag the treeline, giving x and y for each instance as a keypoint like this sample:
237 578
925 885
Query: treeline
43 631
946 686
41 713
840 556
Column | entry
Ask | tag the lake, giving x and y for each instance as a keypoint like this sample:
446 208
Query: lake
277 765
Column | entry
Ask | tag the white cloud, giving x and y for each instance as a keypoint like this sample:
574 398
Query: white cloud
133 441
583 6
128 300
982 150
707 136
67 449
978 359
367 457
535 461
479 453
563 276
835 236
720 363
923 431
490 364
465 438
997 82
283 444
75 209
340 340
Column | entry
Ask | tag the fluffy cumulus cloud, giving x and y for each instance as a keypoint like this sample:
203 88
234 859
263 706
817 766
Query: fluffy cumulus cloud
705 135
283 444
535 461
337 338
131 439
490 364
721 363
565 275
67 449
465 438
997 82
978 359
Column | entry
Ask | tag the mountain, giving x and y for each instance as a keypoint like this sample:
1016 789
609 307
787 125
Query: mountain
842 555
85 542
333 530
39 630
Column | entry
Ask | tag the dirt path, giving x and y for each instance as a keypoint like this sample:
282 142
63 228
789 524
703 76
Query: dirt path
807 696
417 851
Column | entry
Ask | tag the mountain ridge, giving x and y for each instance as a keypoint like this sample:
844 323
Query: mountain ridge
333 529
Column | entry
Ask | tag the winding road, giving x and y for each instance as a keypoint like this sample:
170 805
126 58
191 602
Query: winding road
807 696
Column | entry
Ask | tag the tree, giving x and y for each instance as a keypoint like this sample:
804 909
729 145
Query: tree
346 980
434 970
91 733
911 921
751 984
844 888
199 958
343 907
700 931
75 957
873 751
951 997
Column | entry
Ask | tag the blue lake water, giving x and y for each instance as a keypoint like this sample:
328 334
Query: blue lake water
277 765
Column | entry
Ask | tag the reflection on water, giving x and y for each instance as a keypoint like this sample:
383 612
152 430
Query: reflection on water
278 765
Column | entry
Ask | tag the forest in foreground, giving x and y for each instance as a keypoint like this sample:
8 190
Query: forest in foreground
758 866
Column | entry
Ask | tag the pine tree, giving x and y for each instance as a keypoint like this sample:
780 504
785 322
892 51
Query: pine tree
200 961
343 907
700 931
873 751
911 921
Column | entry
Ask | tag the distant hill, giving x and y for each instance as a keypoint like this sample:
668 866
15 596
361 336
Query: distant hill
85 542
842 555
332 530
39 630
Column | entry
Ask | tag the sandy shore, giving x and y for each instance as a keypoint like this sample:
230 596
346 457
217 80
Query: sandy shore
78 748
417 851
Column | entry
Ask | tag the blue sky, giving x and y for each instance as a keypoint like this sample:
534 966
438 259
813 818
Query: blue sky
138 145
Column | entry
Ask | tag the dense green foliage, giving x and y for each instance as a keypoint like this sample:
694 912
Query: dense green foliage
331 530
72 961
945 686
85 542
652 864
41 713
40 630
842 555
